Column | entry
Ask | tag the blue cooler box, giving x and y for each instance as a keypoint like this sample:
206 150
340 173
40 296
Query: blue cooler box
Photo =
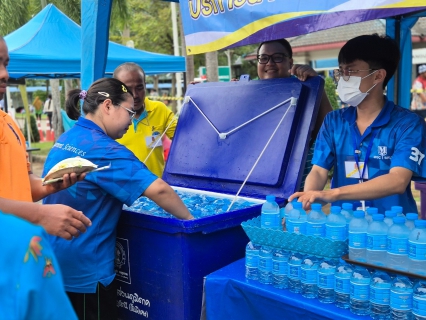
223 129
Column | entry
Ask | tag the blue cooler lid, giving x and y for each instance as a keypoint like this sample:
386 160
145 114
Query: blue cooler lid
201 159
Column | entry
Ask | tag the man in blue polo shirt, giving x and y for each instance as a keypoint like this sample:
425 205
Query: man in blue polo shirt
374 146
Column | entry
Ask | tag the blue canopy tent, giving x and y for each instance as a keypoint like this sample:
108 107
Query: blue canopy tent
49 46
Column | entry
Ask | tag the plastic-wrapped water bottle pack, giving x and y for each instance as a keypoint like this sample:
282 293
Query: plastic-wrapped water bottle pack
199 204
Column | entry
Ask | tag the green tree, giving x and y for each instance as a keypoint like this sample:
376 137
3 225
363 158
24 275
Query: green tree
330 90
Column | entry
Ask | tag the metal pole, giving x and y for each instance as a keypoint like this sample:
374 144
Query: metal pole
176 53
396 76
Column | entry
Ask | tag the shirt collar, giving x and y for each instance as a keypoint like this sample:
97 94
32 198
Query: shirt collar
83 122
382 119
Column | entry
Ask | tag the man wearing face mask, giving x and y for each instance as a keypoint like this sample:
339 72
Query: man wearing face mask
152 119
374 146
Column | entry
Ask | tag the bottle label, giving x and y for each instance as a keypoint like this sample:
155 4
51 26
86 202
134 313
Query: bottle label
401 301
325 280
342 285
315 229
417 251
279 268
296 227
265 264
270 220
308 276
252 260
360 291
358 240
419 306
335 233
294 272
376 242
397 246
380 295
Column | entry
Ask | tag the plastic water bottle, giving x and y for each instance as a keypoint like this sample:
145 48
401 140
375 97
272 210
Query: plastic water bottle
296 219
389 215
411 217
342 279
358 237
401 298
398 233
347 212
335 226
294 272
419 300
377 241
360 291
315 225
326 271
369 213
380 295
252 261
417 248
270 216
308 277
265 265
397 210
280 268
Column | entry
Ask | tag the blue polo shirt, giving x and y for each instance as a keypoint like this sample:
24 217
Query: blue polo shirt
89 259
400 141
31 284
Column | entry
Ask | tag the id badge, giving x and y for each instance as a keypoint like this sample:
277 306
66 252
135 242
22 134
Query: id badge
154 140
352 171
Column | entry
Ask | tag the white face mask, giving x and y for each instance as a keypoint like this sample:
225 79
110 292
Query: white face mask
349 90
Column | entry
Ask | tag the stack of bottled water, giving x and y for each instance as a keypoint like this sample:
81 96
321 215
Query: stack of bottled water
417 248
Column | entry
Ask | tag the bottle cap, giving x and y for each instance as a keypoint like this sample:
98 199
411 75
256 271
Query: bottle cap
270 197
378 217
397 209
390 214
297 205
372 210
347 206
412 216
420 223
335 209
359 214
316 206
399 220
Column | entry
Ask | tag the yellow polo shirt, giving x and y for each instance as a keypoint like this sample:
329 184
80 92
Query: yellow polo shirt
143 135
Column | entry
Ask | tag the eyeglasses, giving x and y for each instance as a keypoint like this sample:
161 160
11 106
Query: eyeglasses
131 112
276 58
346 74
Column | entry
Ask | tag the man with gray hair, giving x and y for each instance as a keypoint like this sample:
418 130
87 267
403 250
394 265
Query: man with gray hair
153 119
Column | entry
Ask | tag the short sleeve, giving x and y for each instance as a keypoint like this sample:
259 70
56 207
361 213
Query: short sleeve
410 149
171 123
126 179
324 154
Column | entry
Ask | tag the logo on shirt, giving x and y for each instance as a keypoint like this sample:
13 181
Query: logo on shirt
382 150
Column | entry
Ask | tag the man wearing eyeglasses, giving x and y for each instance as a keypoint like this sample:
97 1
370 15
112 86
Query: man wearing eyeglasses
374 146
152 120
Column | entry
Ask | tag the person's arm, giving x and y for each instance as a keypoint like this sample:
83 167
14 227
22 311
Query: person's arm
395 182
57 220
163 195
303 72
38 191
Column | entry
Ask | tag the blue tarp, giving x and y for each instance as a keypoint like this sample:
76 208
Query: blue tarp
49 45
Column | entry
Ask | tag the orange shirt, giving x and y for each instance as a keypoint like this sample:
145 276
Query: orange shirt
14 165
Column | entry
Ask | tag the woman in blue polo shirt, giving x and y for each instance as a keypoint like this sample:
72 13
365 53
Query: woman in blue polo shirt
87 262
374 146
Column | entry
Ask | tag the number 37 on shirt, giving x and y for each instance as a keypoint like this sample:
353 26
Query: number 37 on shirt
416 155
